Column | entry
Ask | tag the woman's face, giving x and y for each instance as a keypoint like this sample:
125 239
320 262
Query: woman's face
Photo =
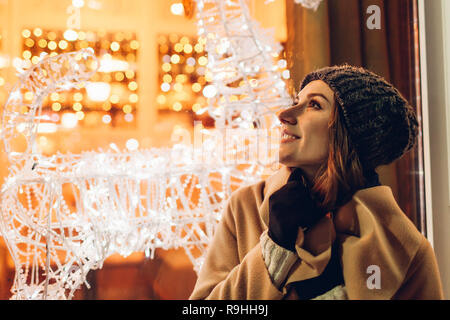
304 132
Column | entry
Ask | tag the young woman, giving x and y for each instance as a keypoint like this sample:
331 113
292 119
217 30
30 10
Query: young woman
322 227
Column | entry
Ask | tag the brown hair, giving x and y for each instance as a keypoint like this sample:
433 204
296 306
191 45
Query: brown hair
342 174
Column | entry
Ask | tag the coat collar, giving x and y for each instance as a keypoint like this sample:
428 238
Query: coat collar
372 231
272 184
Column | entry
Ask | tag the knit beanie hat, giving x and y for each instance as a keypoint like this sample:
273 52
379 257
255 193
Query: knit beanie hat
381 124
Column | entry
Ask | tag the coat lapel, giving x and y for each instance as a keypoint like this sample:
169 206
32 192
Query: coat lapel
272 184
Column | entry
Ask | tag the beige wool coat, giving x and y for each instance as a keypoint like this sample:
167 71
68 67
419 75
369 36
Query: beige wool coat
371 230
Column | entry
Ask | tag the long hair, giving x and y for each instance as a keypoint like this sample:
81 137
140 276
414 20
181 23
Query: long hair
342 174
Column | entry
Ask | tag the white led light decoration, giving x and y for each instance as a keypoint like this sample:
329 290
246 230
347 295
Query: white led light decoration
64 214
309 4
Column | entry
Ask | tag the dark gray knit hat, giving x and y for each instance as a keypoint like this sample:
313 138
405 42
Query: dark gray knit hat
381 124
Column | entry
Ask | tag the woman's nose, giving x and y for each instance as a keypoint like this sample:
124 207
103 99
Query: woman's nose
288 116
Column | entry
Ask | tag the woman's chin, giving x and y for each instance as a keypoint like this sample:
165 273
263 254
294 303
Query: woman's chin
286 159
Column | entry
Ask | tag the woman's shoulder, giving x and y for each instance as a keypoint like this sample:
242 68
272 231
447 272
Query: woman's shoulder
248 193
250 202
373 230
376 210
380 201
242 214
258 191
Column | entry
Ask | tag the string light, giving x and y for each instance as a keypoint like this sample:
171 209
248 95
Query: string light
202 61
115 46
29 96
128 117
133 98
165 87
78 96
79 115
63 44
167 78
127 108
26 33
196 107
37 32
161 99
42 43
309 4
132 144
178 47
187 48
52 45
166 67
77 106
106 106
175 58
178 87
119 76
78 3
69 120
98 91
29 42
106 118
56 106
177 106
114 98
196 87
177 9
26 54
70 35
133 86
209 91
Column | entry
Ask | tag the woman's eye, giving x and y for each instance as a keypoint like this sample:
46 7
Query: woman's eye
315 104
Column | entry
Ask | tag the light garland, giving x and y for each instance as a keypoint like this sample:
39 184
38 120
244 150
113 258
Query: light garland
64 215
21 116
239 51
124 203
309 4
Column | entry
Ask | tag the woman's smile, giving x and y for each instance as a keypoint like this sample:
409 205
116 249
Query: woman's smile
287 137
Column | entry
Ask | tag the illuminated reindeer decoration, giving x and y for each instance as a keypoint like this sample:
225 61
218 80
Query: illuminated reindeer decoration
63 215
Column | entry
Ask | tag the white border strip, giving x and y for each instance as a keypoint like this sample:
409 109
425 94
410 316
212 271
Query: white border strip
425 121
